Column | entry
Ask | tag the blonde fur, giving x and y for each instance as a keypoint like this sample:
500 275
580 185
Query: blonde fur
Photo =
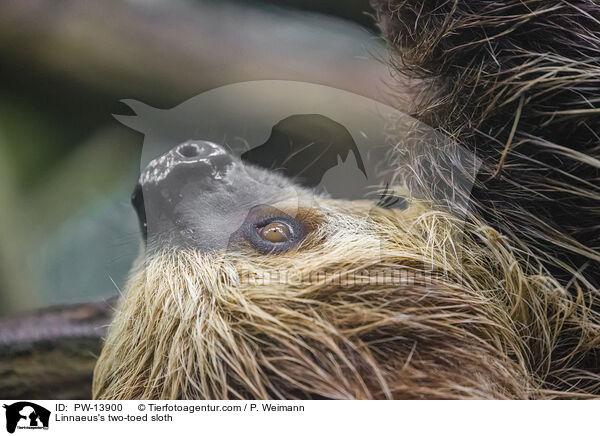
333 321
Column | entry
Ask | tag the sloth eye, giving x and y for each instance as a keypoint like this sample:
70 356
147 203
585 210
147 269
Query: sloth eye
275 234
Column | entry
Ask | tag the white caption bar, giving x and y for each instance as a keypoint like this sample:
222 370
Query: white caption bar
264 418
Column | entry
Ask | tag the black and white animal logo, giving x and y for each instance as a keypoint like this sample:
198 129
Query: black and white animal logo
26 415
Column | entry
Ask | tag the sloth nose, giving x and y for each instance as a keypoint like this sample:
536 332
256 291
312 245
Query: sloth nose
193 165
192 150
199 155
192 161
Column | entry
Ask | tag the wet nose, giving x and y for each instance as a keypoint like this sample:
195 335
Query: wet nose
200 164
197 150
192 160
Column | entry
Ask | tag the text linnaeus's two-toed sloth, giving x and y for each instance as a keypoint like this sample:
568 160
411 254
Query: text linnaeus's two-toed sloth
408 302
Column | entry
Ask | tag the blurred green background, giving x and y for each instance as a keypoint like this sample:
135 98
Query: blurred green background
67 167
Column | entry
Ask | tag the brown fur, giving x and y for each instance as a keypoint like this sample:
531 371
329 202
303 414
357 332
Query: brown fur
518 83
501 304
479 326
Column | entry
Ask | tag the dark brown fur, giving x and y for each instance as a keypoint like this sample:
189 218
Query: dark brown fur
481 69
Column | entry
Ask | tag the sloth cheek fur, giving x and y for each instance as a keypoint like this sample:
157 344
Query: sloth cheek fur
373 304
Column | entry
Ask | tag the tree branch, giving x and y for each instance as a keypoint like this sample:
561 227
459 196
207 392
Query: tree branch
51 353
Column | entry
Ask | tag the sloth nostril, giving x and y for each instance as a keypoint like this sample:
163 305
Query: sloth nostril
189 150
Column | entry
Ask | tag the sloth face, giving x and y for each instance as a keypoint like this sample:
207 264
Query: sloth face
252 287
199 197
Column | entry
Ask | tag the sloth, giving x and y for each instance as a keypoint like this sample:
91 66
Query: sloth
250 286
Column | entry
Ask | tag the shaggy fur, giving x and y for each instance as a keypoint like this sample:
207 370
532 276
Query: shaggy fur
517 82
417 303
478 326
